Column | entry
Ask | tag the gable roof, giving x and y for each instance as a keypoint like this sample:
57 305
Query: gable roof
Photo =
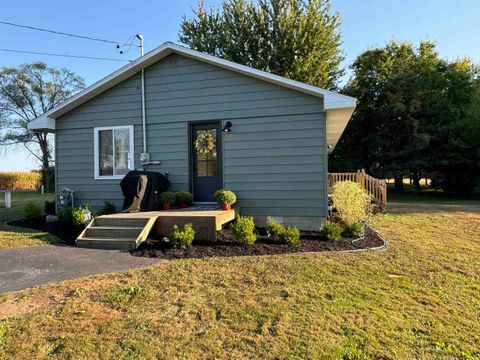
341 106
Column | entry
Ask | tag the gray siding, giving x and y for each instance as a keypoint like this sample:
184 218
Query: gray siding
274 159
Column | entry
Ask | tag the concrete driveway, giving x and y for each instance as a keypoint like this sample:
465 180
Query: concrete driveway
37 265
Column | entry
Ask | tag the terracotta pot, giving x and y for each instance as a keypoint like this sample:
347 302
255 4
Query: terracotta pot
183 205
167 206
226 206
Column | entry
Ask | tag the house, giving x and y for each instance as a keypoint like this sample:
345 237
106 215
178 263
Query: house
271 135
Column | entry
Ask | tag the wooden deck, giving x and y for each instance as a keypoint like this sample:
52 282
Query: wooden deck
127 231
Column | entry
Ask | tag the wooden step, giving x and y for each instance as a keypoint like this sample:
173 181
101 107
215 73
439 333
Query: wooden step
108 244
107 221
113 232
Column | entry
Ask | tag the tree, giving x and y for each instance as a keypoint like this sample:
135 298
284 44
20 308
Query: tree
412 107
27 92
297 39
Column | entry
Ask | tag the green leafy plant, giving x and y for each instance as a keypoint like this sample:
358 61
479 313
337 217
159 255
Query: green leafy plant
182 238
49 207
32 211
65 216
274 227
243 230
78 215
351 202
108 208
290 235
167 197
354 230
225 196
332 231
183 197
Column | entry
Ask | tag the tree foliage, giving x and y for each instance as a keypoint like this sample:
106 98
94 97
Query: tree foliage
27 92
416 115
297 39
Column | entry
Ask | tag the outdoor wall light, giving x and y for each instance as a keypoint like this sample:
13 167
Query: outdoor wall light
227 127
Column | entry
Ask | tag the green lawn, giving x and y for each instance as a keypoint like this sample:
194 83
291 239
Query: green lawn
12 238
418 300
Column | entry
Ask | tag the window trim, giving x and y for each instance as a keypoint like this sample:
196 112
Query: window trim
96 153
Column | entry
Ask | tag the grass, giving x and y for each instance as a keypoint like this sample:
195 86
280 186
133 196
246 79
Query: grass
420 299
14 238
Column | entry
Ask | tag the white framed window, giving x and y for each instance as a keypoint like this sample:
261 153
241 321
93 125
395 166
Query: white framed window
113 151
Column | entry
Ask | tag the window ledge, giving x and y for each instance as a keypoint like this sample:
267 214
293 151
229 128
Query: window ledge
110 177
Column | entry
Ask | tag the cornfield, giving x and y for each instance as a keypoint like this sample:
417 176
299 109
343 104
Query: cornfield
20 180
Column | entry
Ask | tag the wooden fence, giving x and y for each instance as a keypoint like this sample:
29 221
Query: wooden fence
375 187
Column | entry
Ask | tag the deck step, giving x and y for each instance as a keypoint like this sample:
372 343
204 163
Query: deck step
113 232
107 243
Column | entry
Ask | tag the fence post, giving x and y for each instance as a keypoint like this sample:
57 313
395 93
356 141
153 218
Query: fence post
8 199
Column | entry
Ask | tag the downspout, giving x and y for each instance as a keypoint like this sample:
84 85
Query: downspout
144 156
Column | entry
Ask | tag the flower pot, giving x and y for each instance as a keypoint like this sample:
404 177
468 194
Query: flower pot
183 205
226 206
167 206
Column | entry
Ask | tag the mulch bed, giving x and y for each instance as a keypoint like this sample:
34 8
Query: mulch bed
311 241
158 247
67 234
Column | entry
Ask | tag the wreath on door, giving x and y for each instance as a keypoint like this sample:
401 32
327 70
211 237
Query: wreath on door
205 143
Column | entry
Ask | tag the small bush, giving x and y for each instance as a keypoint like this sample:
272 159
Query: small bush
49 207
351 202
183 197
78 215
32 211
167 197
274 228
332 231
108 208
354 230
290 235
65 216
224 196
182 238
243 230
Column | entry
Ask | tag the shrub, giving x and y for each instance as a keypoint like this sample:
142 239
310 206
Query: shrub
224 196
273 227
167 197
354 230
183 197
65 216
182 238
49 207
243 230
290 235
78 215
32 211
20 180
332 231
351 202
108 208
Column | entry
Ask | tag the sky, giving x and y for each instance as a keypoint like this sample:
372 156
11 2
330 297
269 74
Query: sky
453 26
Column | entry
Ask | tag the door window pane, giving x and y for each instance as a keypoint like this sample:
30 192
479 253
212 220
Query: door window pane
106 152
201 168
212 168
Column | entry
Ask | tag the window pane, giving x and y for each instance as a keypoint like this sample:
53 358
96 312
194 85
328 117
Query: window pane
201 168
212 168
106 152
122 151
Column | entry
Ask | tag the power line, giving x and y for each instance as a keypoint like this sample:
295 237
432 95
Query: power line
63 33
62 55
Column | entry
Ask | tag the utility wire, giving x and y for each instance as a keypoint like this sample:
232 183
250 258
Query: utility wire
63 55
63 33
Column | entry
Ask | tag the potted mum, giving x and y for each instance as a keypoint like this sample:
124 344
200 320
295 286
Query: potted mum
184 199
225 198
167 199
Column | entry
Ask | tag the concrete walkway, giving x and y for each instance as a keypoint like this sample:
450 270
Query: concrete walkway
37 265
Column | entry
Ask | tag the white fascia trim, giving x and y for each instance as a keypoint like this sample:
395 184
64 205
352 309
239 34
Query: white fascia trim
332 100
96 153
